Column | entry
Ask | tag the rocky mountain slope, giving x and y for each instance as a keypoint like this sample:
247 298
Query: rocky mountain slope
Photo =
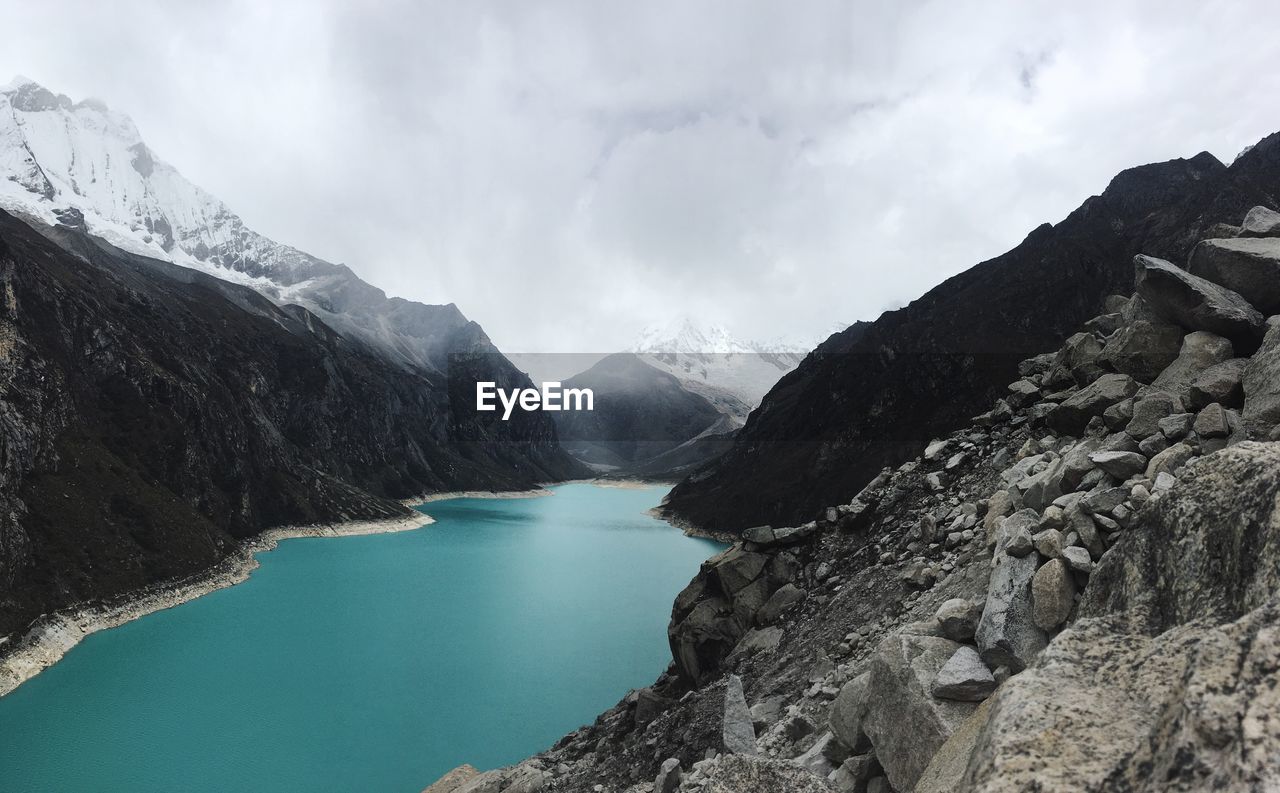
84 164
1077 590
151 416
874 394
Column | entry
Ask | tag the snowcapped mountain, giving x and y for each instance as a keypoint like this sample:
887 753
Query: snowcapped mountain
83 164
733 374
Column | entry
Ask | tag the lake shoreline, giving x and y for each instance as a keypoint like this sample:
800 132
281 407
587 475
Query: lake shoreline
54 635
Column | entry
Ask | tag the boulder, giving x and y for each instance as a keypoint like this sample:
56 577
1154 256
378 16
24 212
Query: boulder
964 677
906 724
1193 302
1169 460
946 770
1007 635
1177 426
854 773
1261 385
1053 593
704 637
1147 412
1249 267
1220 383
999 505
848 711
1200 351
1048 543
1143 348
736 568
1073 415
779 603
1121 465
1077 361
958 619
738 735
669 776
524 778
1260 222
1212 422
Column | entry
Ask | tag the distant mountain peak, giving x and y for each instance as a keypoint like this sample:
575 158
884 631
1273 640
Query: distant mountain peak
82 164
686 336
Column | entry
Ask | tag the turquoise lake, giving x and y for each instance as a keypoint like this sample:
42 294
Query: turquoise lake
371 663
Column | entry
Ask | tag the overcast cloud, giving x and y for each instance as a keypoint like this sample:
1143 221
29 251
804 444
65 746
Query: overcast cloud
568 172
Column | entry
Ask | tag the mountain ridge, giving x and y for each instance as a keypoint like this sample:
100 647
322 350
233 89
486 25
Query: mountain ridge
873 395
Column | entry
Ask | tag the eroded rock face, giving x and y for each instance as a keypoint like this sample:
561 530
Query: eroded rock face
1170 681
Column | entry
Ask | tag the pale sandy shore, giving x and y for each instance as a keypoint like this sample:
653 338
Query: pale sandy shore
53 635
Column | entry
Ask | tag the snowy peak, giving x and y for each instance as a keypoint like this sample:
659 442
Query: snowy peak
686 337
82 164
733 374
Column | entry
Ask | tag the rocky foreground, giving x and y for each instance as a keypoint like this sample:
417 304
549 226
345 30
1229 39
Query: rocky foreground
1079 592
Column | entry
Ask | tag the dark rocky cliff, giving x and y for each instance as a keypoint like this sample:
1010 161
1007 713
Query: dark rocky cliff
872 395
151 416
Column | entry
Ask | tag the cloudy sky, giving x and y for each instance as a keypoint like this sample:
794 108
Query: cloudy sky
569 172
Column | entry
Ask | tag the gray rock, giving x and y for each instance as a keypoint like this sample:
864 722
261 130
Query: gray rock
1152 446
1143 348
1121 465
1118 415
1077 361
1073 415
1260 222
906 724
669 776
1177 426
1200 351
964 677
1261 383
766 713
1022 393
946 770
1221 383
738 735
780 602
815 760
1249 267
1194 302
1053 593
1169 460
958 619
1007 634
1104 500
1078 559
1148 410
1212 422
1081 523
1048 543
848 710
854 773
